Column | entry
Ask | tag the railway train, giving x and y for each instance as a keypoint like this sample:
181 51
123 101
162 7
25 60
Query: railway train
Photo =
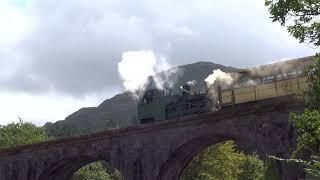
251 84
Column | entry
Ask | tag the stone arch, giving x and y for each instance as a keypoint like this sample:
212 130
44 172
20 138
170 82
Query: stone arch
173 167
64 169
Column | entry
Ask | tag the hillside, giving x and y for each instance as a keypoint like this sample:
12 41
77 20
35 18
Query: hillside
120 110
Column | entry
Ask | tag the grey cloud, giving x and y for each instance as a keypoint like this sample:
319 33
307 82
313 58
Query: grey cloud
76 45
27 82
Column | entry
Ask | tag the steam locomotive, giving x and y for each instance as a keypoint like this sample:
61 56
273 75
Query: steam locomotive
157 104
266 81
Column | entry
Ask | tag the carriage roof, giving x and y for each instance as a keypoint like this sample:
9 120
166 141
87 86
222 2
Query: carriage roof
277 67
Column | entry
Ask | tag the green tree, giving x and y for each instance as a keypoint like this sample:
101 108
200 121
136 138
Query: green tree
222 161
271 172
312 94
61 130
308 127
301 17
253 168
308 123
20 133
96 171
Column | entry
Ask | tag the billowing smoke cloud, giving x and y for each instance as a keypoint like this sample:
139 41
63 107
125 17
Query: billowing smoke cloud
217 74
136 66
224 79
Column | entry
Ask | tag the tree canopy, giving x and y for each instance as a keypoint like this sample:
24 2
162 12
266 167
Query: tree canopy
312 95
20 133
222 161
96 171
308 123
300 16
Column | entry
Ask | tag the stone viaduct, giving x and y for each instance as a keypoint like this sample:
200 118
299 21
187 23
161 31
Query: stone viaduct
161 151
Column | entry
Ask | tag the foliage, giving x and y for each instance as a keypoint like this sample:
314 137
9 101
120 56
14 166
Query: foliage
312 166
222 161
96 171
302 20
60 130
308 123
272 172
253 168
20 133
308 128
312 95
300 16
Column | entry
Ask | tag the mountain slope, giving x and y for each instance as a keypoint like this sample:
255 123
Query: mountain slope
120 110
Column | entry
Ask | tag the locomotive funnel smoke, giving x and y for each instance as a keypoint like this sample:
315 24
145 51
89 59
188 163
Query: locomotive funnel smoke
217 74
136 66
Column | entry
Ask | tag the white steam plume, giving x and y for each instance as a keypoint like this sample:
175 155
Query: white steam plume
191 83
217 74
136 66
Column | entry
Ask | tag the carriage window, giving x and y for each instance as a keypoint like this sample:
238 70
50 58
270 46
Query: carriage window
292 74
285 76
279 77
270 77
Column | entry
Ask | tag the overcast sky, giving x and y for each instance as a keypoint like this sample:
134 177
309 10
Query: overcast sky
58 56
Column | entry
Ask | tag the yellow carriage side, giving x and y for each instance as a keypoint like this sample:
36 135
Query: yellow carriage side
263 91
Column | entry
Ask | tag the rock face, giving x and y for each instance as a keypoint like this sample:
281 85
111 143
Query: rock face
120 111
160 151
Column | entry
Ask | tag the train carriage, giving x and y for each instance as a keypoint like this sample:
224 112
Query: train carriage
266 81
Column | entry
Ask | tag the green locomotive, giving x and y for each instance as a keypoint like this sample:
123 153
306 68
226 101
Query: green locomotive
157 104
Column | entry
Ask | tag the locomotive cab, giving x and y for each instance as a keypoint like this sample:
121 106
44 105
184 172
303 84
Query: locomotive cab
151 106
148 98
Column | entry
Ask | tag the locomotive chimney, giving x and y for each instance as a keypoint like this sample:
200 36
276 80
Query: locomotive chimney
186 89
206 86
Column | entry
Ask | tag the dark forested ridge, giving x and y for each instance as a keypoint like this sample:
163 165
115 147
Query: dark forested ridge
120 110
